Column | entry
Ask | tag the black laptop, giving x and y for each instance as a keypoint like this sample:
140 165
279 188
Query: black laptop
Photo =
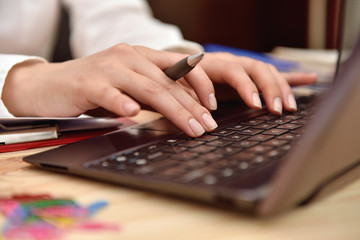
254 162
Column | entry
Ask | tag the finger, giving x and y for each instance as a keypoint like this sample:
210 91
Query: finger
197 78
237 78
193 106
287 94
147 83
113 100
296 78
203 87
266 82
186 86
190 103
187 114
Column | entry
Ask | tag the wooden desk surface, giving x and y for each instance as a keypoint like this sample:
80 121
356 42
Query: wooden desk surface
143 215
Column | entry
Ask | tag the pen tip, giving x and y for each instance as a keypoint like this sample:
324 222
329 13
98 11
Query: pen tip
195 59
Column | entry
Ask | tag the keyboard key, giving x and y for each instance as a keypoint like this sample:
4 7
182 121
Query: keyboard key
237 127
172 141
151 148
156 156
291 117
223 132
207 138
245 144
289 136
184 156
289 126
265 126
219 143
302 113
250 131
202 149
275 131
252 122
273 153
191 143
276 142
259 149
193 164
299 130
175 149
171 173
243 156
260 138
243 166
278 121
258 160
210 157
266 117
195 174
210 179
235 137
230 150
301 121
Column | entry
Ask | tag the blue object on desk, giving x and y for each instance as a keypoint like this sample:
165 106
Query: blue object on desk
281 65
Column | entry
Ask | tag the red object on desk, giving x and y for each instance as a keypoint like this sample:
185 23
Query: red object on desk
64 138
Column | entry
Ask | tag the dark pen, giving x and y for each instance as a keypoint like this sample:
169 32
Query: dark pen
179 69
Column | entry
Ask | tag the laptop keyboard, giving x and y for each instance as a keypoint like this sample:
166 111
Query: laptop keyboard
217 157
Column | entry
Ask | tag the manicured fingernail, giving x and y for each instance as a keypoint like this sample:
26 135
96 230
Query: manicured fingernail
209 121
278 105
256 100
292 102
212 102
130 108
196 127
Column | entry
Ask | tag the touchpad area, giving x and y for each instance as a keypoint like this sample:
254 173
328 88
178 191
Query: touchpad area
161 124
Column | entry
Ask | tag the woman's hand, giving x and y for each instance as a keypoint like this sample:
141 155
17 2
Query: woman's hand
115 79
249 77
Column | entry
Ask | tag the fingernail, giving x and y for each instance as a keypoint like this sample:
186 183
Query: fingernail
196 127
292 102
212 102
130 108
256 100
278 105
209 121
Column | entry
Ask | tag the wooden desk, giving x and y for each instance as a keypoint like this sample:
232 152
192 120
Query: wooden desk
143 215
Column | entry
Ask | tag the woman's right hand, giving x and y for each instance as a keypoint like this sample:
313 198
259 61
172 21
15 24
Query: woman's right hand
117 79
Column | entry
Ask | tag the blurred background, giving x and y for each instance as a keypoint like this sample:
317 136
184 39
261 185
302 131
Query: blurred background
257 25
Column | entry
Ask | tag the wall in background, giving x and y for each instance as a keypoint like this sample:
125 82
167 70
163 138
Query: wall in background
251 24
258 25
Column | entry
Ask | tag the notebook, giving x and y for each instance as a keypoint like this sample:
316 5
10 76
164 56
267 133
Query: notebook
254 162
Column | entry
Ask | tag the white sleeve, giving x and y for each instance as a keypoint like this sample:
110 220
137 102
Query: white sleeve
96 25
7 61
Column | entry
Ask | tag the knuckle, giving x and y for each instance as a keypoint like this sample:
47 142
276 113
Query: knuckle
272 67
194 107
225 55
153 90
102 92
180 111
123 49
258 65
233 69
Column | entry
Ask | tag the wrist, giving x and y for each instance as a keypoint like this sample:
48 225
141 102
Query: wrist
18 88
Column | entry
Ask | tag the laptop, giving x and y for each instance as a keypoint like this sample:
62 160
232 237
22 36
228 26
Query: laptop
255 162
